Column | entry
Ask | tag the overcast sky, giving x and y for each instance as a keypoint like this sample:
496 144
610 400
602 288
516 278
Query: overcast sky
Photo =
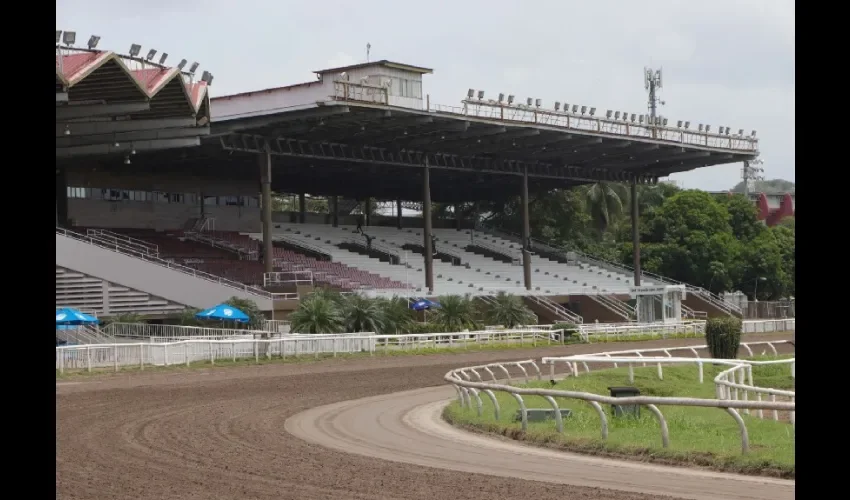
726 62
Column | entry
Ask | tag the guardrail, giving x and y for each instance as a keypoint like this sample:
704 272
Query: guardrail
468 387
185 352
621 330
136 243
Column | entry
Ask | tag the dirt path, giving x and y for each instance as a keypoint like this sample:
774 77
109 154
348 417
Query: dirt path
219 434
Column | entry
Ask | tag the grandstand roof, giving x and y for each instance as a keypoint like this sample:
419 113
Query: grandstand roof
104 99
383 62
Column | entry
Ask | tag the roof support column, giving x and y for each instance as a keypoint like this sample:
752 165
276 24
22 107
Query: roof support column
367 210
265 161
62 217
526 231
635 231
427 244
302 208
398 220
334 211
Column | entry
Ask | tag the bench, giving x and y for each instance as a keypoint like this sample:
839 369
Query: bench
541 414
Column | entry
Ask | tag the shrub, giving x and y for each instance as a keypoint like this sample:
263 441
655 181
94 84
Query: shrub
723 336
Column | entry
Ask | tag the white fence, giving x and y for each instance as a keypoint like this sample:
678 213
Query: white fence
733 391
590 331
186 352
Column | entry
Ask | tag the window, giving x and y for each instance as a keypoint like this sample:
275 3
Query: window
78 192
407 88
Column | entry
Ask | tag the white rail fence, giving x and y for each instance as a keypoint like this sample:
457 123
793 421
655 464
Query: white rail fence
241 347
734 386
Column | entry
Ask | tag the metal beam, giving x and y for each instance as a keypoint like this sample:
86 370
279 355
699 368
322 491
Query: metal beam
64 113
659 161
422 134
77 129
229 126
378 131
126 148
143 135
463 136
413 159
61 97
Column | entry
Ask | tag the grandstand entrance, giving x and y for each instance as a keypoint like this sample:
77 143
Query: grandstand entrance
659 303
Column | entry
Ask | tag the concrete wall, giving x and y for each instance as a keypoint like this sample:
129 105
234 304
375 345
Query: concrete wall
144 276
160 216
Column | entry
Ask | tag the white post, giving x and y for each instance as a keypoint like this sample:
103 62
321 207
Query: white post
256 352
186 352
233 351
115 356
165 353
212 354
141 356
88 358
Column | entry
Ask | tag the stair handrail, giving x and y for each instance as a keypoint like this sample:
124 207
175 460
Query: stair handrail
222 243
124 240
514 255
302 244
165 263
617 306
376 246
556 308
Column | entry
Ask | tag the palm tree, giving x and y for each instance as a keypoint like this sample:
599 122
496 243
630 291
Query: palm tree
316 314
509 311
456 313
397 316
605 202
362 314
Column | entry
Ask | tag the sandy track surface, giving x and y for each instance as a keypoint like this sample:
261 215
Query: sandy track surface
219 434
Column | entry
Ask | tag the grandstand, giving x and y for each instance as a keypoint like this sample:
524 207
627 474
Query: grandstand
158 205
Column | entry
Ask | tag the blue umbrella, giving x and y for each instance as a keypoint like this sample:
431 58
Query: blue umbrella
69 316
224 312
424 305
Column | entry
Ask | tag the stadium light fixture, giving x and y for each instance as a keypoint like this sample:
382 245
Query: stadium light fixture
727 131
754 133
93 41
741 132
207 77
687 124
566 108
583 109
511 99
708 128
592 111
182 64
575 108
69 38
194 67
151 54
127 160
557 106
679 124
538 102
528 101
608 114
634 117
135 49
163 57
58 36
701 127
470 93
640 120
501 97
617 115
480 95
664 122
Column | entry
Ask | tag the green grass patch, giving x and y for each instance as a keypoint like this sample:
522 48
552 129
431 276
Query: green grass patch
707 437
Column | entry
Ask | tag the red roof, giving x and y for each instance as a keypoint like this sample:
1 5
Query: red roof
85 66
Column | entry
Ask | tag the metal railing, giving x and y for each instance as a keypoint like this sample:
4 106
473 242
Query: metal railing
614 305
211 240
348 91
298 242
469 383
115 247
288 277
376 246
83 335
560 312
514 255
687 312
140 245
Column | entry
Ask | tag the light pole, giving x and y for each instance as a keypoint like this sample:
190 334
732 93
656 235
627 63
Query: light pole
407 275
756 291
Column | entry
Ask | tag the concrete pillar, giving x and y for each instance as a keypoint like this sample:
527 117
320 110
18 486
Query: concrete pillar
265 160
526 231
61 198
398 219
302 208
367 211
426 233
201 207
334 211
635 232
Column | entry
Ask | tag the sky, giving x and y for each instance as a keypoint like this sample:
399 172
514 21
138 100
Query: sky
725 62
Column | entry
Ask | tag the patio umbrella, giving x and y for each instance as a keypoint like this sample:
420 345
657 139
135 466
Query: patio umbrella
70 316
424 305
224 312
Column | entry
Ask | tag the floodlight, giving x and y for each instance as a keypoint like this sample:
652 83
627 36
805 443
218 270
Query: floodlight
151 54
163 57
501 97
557 106
194 67
69 37
93 41
583 109
480 95
471 93
529 101
701 127
135 49
608 114
575 108
727 131
58 36
687 124
182 64
707 128
538 102
592 111
754 133
633 117
640 119
207 77
741 132
617 115
510 99
679 124
664 122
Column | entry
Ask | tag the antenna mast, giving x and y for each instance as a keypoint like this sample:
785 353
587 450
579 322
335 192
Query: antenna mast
752 172
368 49
652 83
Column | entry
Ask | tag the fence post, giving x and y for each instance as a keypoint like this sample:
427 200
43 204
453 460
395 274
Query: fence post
88 358
141 356
333 348
256 352
115 356
212 354
186 352
61 360
165 353
233 351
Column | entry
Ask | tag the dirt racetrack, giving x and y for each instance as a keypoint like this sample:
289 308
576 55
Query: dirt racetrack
219 434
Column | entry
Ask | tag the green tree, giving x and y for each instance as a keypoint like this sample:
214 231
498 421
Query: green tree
762 275
743 217
456 313
509 311
397 316
317 313
256 319
362 314
605 202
